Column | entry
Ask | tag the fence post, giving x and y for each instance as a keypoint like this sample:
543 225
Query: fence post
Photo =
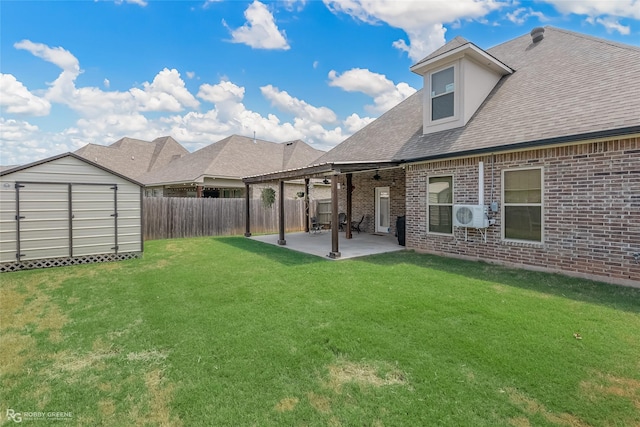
281 240
247 215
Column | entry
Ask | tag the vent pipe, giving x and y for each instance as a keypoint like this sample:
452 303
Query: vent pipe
537 34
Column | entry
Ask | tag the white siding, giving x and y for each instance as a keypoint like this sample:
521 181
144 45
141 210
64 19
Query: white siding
44 204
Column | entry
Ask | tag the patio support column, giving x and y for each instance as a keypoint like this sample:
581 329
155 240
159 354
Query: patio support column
334 218
247 214
306 205
349 201
281 240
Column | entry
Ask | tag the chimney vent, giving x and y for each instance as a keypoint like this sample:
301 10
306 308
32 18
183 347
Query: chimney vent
537 34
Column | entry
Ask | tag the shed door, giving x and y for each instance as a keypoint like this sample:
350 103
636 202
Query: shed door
43 223
94 219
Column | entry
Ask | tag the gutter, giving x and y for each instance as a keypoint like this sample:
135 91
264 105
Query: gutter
606 134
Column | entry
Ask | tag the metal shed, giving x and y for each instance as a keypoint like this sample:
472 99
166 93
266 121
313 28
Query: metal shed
66 210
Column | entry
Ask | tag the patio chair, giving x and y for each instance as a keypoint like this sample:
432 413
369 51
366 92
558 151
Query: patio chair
315 225
355 225
342 221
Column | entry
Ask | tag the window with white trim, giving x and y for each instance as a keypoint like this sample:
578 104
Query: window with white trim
442 94
440 204
522 204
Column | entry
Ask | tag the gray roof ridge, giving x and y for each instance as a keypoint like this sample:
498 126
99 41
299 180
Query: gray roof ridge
594 39
159 145
127 139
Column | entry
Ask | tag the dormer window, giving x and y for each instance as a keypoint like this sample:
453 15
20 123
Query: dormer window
458 77
442 94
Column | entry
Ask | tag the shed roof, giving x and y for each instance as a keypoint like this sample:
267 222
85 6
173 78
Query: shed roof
11 170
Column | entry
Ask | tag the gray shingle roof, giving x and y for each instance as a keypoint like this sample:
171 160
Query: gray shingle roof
567 84
449 46
134 157
234 157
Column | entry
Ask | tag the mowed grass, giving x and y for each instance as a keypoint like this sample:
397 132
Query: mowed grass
228 331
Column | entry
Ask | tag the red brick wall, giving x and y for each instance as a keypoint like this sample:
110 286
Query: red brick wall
591 200
363 196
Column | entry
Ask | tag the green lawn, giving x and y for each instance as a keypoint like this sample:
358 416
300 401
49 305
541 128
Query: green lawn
228 331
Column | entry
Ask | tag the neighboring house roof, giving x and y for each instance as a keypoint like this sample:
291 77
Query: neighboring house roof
134 157
234 157
566 86
7 171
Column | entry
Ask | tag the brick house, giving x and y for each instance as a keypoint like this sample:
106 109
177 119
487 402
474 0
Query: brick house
526 154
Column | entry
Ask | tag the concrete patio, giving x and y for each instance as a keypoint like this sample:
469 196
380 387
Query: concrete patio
319 243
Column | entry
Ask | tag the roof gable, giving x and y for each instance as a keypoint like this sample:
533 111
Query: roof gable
134 157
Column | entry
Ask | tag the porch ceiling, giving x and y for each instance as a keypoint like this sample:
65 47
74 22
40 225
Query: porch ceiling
316 171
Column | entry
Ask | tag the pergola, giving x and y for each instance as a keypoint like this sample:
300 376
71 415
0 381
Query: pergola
325 170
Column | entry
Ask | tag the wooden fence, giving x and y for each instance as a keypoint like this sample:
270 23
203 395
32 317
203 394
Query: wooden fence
176 217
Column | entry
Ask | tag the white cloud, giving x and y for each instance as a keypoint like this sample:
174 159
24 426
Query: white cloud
287 103
384 92
612 24
56 55
522 14
221 92
354 122
142 3
104 125
294 5
190 74
422 21
106 83
167 92
23 143
603 12
15 98
594 8
260 31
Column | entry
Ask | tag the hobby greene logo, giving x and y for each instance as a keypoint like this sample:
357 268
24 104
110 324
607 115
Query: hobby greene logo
13 415
18 417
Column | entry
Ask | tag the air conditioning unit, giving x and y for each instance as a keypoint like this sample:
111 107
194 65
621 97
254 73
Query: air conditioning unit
472 216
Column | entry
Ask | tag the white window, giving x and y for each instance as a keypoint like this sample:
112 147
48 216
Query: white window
440 204
522 204
442 94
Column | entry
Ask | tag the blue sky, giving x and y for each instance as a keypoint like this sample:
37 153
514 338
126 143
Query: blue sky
78 72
